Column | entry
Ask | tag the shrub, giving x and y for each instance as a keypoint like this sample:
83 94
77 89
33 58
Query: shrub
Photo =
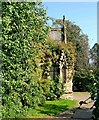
94 91
52 89
81 80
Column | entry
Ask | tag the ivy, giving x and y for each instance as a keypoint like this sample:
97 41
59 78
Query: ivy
22 27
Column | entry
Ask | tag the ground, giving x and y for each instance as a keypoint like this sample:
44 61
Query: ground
82 96
84 112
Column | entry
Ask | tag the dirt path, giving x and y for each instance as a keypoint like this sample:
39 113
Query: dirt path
82 96
85 111
77 113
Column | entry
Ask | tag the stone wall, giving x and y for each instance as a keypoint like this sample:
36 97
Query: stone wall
55 34
67 80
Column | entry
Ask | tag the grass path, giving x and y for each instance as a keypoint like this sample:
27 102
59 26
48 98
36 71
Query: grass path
51 108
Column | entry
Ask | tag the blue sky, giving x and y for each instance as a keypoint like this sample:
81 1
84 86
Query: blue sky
84 14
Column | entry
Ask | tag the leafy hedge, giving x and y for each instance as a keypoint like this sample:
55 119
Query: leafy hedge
23 24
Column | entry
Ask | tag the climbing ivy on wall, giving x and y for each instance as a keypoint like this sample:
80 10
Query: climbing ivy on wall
57 47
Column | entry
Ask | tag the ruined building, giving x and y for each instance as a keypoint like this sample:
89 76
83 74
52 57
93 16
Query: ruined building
62 69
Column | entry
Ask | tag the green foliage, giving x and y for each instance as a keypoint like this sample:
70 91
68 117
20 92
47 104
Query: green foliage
95 96
94 91
52 89
94 56
82 75
51 108
94 88
48 88
85 78
56 49
82 60
59 88
23 24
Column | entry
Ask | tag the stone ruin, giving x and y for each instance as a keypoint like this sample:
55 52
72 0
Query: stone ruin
63 70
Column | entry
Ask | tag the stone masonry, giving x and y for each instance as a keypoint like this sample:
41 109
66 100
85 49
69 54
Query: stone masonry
59 34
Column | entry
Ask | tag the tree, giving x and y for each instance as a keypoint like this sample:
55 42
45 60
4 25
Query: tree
94 56
80 42
82 59
94 60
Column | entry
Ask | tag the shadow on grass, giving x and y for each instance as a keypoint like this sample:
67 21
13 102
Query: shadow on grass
52 110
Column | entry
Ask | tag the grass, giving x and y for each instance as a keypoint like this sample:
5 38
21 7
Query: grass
51 108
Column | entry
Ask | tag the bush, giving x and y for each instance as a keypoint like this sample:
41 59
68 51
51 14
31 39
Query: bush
52 89
94 91
95 111
81 80
23 25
